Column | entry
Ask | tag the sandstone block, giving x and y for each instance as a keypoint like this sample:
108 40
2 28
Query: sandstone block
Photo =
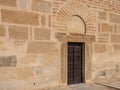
115 28
2 30
41 5
114 18
23 4
100 74
29 59
102 15
42 34
8 61
18 32
16 74
115 38
116 47
42 47
8 3
49 21
119 28
12 85
103 38
19 17
100 48
110 74
43 20
106 28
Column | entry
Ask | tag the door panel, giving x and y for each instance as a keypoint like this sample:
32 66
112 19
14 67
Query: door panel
75 63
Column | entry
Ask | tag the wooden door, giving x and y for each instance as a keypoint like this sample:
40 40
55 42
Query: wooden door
75 62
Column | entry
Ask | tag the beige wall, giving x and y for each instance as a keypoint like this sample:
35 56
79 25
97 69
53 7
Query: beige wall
30 53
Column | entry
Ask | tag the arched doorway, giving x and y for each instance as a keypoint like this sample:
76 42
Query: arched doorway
74 23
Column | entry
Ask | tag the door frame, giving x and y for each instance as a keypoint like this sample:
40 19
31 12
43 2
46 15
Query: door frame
63 38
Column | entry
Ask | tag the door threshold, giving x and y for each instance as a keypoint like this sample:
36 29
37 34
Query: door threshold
74 85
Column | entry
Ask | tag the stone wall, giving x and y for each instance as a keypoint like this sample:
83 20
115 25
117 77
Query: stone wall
30 54
29 57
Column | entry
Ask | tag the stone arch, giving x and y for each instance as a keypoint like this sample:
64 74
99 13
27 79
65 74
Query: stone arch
78 9
75 8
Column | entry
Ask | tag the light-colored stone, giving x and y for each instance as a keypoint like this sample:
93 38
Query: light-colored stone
115 28
24 4
2 30
42 34
114 18
12 85
106 28
103 38
116 47
38 32
18 32
19 17
119 28
27 60
115 38
102 15
41 5
100 48
49 21
43 20
76 25
42 47
16 74
8 3
110 74
48 63
100 75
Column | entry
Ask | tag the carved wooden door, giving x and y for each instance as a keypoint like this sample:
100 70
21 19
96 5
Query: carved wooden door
75 62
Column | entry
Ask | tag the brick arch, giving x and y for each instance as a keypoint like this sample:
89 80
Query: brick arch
74 7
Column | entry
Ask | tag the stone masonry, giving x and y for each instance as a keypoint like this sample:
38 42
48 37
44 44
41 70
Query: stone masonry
33 37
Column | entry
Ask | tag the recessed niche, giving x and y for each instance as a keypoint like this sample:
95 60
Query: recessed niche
76 25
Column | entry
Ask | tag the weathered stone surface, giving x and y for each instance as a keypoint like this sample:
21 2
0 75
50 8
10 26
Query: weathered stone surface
18 32
116 47
42 34
8 2
2 30
119 28
110 74
19 17
43 20
16 74
49 21
29 59
42 47
47 64
8 61
23 4
12 85
102 15
100 48
41 5
115 38
103 38
76 25
114 18
88 64
100 74
115 28
106 28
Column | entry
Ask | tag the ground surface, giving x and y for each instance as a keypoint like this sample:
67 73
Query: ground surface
97 86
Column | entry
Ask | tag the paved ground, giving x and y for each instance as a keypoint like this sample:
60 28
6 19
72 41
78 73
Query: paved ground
86 87
115 85
98 86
